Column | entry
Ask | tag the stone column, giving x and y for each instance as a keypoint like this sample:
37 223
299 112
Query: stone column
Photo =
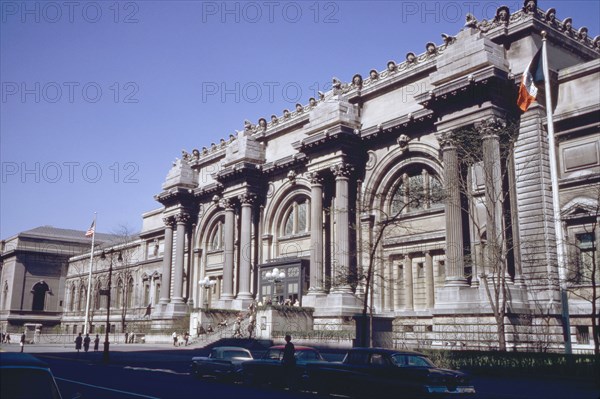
408 282
182 219
245 245
429 280
342 172
165 284
490 130
228 250
454 232
316 234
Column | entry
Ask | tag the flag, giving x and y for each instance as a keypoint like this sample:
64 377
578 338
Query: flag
534 73
90 231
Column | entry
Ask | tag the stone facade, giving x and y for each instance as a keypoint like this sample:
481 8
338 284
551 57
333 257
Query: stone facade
423 180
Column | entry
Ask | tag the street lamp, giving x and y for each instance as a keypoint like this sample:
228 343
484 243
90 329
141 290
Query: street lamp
106 292
207 284
275 277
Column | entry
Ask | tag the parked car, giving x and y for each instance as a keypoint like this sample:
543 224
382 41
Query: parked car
377 372
222 362
25 376
269 369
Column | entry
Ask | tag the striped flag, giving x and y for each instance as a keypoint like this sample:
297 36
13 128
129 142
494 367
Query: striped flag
534 73
90 231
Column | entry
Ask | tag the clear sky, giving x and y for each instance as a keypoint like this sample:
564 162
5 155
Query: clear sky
99 97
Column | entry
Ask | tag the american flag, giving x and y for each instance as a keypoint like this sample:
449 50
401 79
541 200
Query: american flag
90 231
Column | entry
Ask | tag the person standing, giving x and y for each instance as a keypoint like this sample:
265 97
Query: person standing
78 342
289 361
22 343
174 335
96 343
86 342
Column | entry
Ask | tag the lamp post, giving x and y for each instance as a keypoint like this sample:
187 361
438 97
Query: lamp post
275 277
105 355
207 284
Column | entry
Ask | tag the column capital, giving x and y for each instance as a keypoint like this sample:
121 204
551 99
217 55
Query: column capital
247 198
446 140
182 218
226 203
342 170
169 221
316 177
490 128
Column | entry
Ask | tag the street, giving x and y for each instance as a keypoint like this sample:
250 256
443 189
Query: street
162 371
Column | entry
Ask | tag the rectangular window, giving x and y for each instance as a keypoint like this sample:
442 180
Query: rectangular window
583 335
420 270
586 257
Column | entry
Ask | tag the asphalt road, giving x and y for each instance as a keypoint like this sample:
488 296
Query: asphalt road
162 371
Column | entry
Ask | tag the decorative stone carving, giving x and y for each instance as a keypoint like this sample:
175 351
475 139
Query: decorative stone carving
530 6
403 141
431 48
448 39
342 169
248 125
582 33
226 203
502 15
216 199
274 119
315 178
470 20
357 81
321 96
551 16
373 74
213 147
491 127
204 151
286 114
567 26
195 153
292 176
231 138
185 156
262 124
247 198
411 58
336 85
222 143
312 102
445 139
299 108
596 42
182 218
270 190
371 161
169 221
391 67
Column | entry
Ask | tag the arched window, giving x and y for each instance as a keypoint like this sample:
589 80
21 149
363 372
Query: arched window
97 297
130 292
81 299
119 298
5 296
418 188
39 296
295 219
217 237
72 297
146 299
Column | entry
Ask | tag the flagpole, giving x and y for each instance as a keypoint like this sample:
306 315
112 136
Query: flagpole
87 302
558 231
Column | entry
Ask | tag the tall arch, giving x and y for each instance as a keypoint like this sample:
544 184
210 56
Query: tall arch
39 291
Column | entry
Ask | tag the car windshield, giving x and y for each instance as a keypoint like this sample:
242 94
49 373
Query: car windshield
274 354
26 382
401 360
307 355
231 354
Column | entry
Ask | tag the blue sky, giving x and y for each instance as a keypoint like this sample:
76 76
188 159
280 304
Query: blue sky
99 97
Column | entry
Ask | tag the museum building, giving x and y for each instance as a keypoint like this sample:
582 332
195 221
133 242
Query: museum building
420 189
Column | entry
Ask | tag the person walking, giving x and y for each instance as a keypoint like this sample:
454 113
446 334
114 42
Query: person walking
289 362
96 343
22 343
7 338
174 335
86 342
78 342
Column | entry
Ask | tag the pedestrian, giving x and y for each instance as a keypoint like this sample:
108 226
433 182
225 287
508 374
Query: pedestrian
289 361
78 342
96 343
186 337
238 328
22 343
174 335
126 337
7 338
86 342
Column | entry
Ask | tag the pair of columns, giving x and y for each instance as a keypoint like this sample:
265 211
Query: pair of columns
180 221
246 200
342 173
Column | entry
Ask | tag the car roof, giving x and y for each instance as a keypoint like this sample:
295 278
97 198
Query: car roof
21 360
230 348
296 347
385 350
